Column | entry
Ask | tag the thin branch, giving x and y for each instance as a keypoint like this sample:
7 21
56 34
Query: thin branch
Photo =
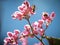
32 31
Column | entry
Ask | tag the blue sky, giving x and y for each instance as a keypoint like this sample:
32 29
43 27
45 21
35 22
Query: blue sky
7 7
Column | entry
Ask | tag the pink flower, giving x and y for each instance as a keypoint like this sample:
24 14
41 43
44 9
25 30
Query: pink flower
35 32
24 11
48 18
16 31
24 6
31 10
15 37
6 40
41 32
12 38
27 27
45 15
18 15
38 43
52 15
35 24
48 21
9 40
27 3
24 41
9 34
40 22
26 33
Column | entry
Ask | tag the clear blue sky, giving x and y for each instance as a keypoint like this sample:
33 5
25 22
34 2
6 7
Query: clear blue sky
7 7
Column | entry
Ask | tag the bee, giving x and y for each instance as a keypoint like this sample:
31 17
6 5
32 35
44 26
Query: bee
33 8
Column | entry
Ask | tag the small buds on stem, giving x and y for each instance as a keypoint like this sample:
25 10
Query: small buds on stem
33 33
30 30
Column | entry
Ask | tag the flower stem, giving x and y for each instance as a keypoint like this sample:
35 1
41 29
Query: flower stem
34 34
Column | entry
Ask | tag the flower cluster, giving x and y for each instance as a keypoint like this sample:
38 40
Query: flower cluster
24 11
30 30
38 26
37 29
12 38
48 18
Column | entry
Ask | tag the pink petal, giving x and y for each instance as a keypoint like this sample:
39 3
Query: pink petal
27 27
9 34
35 24
20 8
27 3
40 43
17 15
35 32
45 15
41 31
41 21
16 31
6 40
26 33
52 15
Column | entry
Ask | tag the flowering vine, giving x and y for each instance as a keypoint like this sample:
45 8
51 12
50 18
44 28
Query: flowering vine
30 30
